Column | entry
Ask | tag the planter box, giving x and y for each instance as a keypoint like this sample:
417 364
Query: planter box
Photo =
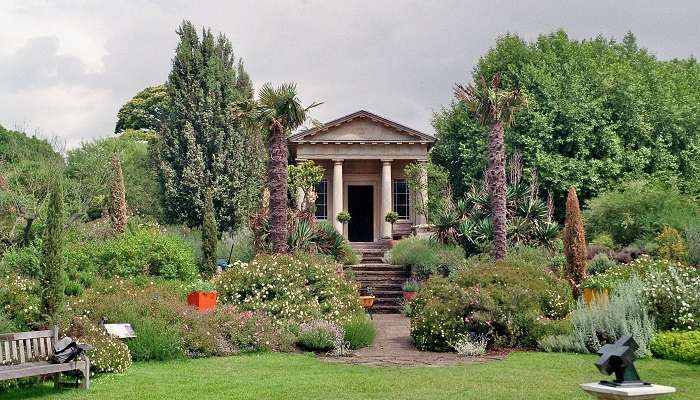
202 301
409 296
597 296
367 301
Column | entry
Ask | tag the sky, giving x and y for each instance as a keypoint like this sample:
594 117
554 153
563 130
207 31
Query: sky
67 66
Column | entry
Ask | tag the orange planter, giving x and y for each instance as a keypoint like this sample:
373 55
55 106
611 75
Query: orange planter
598 296
367 301
409 296
202 301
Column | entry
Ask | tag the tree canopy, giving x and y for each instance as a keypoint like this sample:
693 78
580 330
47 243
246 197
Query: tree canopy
203 142
145 111
599 112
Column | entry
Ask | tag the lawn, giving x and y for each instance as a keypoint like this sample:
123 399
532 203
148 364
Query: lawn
298 376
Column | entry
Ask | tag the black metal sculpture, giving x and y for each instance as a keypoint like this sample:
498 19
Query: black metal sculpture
619 358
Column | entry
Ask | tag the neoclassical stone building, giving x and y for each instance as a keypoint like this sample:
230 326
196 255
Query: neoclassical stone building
364 156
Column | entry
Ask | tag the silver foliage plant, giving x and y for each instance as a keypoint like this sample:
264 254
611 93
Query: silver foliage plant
470 344
593 326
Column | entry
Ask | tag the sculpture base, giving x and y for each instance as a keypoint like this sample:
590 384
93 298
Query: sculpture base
627 384
646 392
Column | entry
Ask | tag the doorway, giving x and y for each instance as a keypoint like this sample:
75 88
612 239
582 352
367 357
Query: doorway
361 209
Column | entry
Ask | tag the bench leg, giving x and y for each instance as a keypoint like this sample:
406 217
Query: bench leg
57 380
85 383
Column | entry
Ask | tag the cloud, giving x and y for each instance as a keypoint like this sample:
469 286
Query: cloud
67 67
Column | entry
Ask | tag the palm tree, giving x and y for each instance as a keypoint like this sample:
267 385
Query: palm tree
495 107
280 111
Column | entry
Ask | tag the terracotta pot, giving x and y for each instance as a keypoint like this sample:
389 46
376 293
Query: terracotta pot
409 296
367 301
391 243
598 296
202 301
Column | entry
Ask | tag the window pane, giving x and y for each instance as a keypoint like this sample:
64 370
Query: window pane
401 198
321 200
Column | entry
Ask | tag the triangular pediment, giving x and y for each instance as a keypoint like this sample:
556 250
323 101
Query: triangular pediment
359 127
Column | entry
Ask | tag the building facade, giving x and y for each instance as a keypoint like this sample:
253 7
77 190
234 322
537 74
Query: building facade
364 156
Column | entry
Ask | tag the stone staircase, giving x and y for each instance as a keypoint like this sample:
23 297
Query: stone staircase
385 279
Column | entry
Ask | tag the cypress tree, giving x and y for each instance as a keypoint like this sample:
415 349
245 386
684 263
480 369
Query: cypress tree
574 242
118 203
53 274
203 133
209 237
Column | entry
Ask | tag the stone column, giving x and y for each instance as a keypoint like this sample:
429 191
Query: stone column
386 198
337 193
421 217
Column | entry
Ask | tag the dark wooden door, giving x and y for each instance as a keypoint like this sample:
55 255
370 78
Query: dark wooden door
361 209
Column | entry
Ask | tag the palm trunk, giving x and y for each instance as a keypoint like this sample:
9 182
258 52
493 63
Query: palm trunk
497 188
277 184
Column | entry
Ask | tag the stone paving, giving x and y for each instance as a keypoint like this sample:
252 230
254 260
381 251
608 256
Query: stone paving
394 346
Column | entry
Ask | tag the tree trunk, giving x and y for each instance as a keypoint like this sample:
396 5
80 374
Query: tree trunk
277 184
497 188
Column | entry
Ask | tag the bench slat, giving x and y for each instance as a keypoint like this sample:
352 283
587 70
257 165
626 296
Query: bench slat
35 369
26 335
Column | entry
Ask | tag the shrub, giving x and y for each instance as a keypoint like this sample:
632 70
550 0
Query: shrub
673 296
320 336
427 257
108 354
289 288
671 245
596 325
343 217
6 324
509 301
143 251
359 332
210 235
638 210
22 260
679 346
599 264
410 286
692 236
20 301
153 308
470 345
604 239
331 242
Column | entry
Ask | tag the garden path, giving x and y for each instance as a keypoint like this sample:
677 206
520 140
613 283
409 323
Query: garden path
394 346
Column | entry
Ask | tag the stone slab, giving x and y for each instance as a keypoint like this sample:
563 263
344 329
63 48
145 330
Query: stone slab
638 393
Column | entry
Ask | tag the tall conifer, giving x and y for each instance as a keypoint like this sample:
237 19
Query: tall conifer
203 135
52 264
209 237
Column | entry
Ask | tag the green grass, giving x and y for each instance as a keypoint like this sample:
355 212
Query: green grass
298 376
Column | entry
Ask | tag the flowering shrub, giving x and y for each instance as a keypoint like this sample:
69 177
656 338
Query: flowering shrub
510 302
320 336
167 328
24 260
20 301
673 296
108 354
679 346
289 288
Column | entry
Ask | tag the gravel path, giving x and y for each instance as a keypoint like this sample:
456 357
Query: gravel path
394 347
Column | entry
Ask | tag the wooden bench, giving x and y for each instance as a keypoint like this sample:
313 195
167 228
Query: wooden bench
25 354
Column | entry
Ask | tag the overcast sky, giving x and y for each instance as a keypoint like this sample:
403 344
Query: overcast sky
67 66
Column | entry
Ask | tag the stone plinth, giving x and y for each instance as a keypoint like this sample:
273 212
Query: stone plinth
637 393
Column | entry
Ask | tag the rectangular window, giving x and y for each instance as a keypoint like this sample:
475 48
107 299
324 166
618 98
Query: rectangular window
401 198
321 211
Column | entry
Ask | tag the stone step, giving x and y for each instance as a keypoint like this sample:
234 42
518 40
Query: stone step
378 267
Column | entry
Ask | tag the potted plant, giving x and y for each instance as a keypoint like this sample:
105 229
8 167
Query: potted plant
367 297
410 288
202 296
391 217
343 217
596 289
